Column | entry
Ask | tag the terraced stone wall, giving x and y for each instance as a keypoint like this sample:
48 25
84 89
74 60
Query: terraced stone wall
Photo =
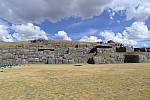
32 55
57 53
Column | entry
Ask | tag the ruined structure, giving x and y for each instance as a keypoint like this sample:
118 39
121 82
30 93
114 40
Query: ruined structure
66 52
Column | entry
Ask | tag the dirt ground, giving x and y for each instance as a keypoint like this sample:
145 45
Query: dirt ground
70 82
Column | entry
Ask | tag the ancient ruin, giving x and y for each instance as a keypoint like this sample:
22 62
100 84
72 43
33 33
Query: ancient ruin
69 52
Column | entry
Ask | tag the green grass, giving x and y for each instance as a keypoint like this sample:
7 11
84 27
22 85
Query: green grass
69 82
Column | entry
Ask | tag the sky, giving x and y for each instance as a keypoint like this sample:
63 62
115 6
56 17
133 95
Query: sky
123 21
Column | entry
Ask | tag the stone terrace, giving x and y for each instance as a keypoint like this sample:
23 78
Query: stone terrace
67 52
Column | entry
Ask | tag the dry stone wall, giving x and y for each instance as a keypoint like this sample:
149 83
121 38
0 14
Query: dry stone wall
117 58
136 58
32 55
57 54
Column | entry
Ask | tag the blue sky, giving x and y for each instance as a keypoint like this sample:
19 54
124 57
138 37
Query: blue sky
77 27
126 22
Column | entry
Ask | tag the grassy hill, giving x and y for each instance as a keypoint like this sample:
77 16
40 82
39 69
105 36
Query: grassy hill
14 43
62 42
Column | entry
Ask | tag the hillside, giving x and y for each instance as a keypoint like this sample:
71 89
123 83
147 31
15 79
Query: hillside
63 42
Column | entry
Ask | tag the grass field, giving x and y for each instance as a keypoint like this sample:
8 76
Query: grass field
69 82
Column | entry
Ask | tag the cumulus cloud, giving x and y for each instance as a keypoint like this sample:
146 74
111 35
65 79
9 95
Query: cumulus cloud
118 37
63 35
28 31
133 35
138 30
90 39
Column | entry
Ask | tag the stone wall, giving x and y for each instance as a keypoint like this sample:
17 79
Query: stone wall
142 49
117 58
58 53
135 58
105 50
124 49
33 55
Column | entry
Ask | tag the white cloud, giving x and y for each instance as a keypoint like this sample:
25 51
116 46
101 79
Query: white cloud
20 11
138 9
118 37
3 23
4 34
23 32
25 11
138 30
90 39
28 31
91 31
133 35
63 35
88 32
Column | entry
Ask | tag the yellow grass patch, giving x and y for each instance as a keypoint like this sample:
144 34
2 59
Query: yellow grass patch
14 43
62 42
69 82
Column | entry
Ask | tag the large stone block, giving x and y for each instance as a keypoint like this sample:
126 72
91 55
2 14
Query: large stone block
97 60
8 56
58 61
71 61
106 60
65 61
142 58
135 58
51 60
112 60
